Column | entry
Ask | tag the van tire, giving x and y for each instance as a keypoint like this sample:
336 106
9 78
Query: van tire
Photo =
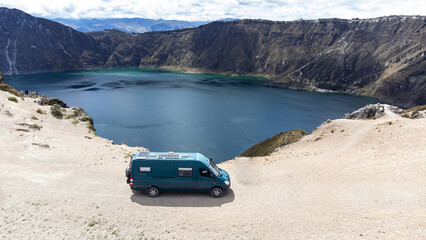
216 192
153 192
128 172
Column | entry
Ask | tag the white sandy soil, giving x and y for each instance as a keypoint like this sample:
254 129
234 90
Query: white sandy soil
349 179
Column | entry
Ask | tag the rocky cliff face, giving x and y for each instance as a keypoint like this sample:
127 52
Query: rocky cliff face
2 81
30 44
382 57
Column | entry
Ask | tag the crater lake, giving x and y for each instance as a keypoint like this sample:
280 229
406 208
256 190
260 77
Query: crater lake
219 116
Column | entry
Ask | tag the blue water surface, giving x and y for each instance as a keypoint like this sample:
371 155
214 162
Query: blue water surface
219 116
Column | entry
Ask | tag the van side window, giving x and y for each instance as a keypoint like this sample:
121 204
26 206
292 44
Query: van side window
204 172
145 169
184 172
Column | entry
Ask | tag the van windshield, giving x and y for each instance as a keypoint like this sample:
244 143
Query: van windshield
214 168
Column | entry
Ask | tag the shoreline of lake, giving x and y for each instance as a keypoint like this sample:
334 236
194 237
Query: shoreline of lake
169 111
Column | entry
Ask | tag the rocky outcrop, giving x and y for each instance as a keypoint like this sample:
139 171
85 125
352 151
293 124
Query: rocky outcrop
268 146
415 112
50 101
2 81
5 87
373 111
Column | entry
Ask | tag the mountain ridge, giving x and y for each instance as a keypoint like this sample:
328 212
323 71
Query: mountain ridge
129 25
380 57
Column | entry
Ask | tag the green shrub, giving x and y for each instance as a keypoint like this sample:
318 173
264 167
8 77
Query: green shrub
416 109
91 128
12 99
406 115
7 88
87 119
40 111
92 223
74 114
55 110
269 145
410 113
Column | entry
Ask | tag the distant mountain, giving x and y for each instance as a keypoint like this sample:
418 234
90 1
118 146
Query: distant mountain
136 25
29 44
382 57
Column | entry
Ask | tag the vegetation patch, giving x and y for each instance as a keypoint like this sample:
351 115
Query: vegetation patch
92 223
87 119
91 128
22 130
5 87
416 109
41 111
406 115
55 110
414 112
76 112
271 144
41 145
31 126
12 99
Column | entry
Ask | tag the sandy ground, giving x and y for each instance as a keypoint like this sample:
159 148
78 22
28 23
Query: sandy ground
349 179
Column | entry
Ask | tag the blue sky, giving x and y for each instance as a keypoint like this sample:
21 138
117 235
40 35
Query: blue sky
218 9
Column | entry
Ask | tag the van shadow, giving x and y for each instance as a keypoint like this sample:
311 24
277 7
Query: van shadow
182 199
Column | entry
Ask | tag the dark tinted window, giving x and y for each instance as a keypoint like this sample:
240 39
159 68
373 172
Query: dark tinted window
144 169
204 172
184 172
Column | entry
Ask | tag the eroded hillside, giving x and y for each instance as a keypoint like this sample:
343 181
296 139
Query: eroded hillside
382 57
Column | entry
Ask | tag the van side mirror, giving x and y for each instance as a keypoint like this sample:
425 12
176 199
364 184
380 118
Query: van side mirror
211 176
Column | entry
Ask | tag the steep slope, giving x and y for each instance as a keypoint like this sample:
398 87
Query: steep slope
30 44
381 57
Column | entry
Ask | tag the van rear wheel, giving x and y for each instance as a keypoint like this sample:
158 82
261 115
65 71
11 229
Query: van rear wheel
153 192
216 192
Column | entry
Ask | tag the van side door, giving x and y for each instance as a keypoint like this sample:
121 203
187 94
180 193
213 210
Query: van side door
162 174
206 179
186 177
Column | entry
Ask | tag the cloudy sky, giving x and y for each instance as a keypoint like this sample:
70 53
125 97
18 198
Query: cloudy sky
218 9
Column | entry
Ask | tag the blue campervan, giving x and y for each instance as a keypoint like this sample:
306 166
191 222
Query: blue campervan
153 172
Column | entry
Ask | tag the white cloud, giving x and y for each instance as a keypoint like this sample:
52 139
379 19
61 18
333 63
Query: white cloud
217 9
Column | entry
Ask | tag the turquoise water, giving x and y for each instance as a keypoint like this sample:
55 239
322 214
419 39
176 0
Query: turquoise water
219 116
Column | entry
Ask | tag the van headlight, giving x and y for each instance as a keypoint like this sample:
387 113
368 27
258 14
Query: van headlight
226 182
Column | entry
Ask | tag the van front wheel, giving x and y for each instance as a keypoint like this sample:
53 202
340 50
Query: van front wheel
153 192
216 192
